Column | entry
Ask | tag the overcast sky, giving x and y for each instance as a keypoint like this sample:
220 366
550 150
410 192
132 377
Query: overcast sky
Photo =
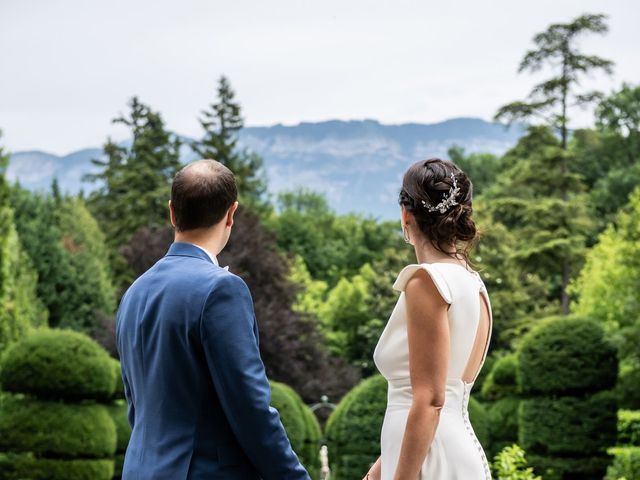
69 66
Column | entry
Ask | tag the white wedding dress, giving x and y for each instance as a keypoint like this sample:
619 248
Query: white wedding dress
455 453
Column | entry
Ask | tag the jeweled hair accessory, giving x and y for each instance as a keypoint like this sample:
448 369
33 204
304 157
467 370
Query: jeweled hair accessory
448 201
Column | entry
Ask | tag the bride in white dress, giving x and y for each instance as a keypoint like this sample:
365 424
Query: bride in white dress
437 337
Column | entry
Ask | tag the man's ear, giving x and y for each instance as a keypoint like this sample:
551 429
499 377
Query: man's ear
172 215
230 213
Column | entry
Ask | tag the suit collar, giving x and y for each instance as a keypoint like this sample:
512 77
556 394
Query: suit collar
183 249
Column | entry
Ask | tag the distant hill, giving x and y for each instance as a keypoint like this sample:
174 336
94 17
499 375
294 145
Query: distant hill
357 164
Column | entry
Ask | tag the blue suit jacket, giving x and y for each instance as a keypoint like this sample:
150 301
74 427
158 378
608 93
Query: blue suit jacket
198 396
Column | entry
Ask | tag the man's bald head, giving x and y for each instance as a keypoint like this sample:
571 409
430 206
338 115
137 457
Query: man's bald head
201 194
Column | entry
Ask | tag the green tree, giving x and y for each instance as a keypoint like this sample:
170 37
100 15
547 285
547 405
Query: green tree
222 123
482 168
551 99
20 307
551 229
135 181
556 47
69 254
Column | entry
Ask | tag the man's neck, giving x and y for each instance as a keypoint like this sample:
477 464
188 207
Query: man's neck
206 239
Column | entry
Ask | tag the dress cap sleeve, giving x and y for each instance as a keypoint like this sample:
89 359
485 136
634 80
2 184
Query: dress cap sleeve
441 284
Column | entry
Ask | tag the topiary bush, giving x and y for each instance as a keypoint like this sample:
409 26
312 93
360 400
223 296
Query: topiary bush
53 429
301 425
626 463
353 429
118 413
503 424
629 428
58 364
501 381
565 355
47 438
479 420
26 466
568 419
569 425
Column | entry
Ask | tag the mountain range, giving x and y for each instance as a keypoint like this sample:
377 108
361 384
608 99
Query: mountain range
357 164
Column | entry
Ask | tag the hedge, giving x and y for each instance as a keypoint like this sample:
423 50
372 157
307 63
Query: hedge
629 428
301 425
626 463
568 468
26 466
353 429
57 430
501 381
118 392
568 425
565 355
503 424
479 420
58 364
118 412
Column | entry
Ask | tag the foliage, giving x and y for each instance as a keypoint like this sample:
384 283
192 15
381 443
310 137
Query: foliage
23 466
58 364
626 463
20 308
332 246
629 427
482 168
588 424
510 464
479 420
501 381
69 254
556 47
222 123
353 429
569 468
301 425
566 356
503 423
544 206
134 181
57 430
118 412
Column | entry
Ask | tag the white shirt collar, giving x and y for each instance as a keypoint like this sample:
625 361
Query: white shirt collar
213 258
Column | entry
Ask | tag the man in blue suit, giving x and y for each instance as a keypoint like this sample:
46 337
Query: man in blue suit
198 396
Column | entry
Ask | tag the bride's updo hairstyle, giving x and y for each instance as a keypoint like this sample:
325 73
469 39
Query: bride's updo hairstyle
427 183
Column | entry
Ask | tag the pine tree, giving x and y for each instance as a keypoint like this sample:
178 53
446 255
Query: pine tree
135 181
551 99
222 123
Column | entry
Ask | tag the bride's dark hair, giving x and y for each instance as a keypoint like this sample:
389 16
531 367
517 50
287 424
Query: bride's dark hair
425 183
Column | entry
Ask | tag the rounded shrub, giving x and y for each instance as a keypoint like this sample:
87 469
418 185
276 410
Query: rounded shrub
118 392
53 429
479 420
27 466
118 411
568 425
353 429
501 380
301 425
565 356
58 364
290 414
503 424
569 468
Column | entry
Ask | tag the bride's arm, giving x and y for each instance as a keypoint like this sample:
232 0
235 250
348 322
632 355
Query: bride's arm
428 334
374 471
